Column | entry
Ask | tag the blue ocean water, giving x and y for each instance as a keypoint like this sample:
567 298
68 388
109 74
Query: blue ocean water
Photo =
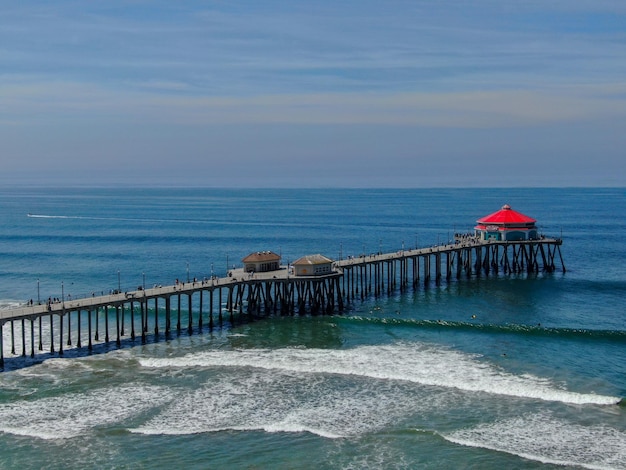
517 371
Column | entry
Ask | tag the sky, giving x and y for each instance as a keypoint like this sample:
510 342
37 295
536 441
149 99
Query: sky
394 93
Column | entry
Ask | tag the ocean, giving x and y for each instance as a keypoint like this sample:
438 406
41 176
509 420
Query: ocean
517 371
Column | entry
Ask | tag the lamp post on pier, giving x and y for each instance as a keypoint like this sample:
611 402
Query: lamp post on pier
119 282
38 298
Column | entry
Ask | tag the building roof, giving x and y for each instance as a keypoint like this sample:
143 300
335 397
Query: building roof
506 216
311 260
261 256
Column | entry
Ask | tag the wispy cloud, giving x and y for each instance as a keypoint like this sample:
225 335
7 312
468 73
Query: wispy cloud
161 102
239 49
457 67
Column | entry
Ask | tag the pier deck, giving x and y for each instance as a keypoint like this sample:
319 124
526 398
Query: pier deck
277 291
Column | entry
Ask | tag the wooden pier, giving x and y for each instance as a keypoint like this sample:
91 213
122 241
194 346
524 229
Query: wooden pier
193 306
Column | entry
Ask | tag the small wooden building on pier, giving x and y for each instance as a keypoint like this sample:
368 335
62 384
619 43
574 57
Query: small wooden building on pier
261 262
312 265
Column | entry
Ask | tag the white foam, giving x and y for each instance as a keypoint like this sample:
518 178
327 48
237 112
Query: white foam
279 402
74 414
543 438
412 362
22 379
299 428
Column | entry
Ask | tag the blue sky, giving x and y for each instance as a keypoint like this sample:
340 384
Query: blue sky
313 94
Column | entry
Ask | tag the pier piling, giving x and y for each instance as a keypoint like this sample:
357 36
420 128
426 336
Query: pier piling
277 292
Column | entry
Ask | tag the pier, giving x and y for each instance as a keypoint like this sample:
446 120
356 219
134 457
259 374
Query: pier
190 307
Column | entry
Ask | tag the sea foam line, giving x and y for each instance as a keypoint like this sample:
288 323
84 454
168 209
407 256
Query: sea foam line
76 413
416 363
280 402
543 438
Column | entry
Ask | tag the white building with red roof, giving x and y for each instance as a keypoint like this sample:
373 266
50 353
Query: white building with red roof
506 225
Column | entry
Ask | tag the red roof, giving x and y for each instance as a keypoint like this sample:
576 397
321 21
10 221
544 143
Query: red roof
506 216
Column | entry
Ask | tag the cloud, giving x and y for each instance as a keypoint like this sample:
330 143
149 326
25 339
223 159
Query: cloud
327 81
160 102
239 49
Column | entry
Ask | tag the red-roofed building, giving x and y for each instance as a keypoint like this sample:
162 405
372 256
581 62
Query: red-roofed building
506 225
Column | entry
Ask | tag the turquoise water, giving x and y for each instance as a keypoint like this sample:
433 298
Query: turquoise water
497 372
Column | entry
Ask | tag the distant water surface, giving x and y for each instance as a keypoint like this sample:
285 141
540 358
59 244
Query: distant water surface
492 372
